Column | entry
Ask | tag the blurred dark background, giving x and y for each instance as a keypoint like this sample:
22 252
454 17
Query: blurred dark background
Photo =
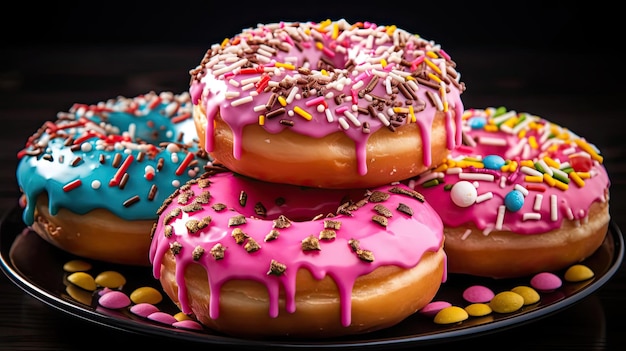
555 59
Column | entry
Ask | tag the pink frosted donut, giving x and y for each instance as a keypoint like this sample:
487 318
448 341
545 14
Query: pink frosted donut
253 259
329 104
523 195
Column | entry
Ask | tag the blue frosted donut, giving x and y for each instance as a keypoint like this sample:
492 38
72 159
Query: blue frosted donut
93 179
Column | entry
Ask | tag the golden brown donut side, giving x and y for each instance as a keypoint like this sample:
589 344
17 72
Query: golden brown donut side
380 299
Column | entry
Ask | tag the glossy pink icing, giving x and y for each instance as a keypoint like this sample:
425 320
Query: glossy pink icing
571 152
332 75
402 242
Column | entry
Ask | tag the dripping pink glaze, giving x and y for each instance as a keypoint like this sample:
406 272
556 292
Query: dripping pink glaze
365 44
573 202
403 242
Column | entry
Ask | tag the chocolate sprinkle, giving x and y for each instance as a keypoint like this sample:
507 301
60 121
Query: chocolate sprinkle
409 192
378 196
251 245
382 210
276 268
236 220
405 209
272 235
239 235
198 252
311 243
217 251
382 220
175 247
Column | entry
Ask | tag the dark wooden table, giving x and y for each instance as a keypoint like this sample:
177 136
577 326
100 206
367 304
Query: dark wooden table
35 83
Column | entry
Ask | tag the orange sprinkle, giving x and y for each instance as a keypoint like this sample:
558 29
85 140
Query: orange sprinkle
532 141
549 179
577 179
533 179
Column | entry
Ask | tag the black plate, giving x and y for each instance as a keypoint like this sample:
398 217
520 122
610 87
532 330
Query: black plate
37 268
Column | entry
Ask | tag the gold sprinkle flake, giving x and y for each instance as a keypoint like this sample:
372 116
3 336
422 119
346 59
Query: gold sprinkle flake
239 235
218 207
354 244
405 209
194 225
311 243
365 255
382 210
236 220
272 235
409 192
192 207
332 224
173 214
243 198
378 196
276 268
168 230
327 234
204 182
251 245
282 222
175 247
382 220
184 197
260 210
217 251
203 198
197 253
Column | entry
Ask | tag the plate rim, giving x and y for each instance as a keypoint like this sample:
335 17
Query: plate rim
129 325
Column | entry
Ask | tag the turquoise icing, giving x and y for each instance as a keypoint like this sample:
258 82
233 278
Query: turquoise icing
150 129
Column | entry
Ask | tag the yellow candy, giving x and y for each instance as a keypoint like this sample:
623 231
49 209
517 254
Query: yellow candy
450 315
79 294
578 273
110 279
478 309
76 266
180 316
146 294
529 294
82 280
506 302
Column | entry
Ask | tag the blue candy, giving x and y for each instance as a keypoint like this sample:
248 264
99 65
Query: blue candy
493 161
477 122
514 200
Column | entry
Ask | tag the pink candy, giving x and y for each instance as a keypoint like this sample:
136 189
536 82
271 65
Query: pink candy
478 294
144 309
431 309
114 300
546 281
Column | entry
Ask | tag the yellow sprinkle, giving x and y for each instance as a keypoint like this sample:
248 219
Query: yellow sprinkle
584 175
400 110
549 179
527 163
491 128
431 54
261 120
441 168
467 163
324 72
383 62
335 33
325 24
533 179
302 113
282 101
577 179
285 65
319 45
532 141
434 77
225 41
412 113
583 145
442 92
390 29
551 162
560 185
513 166
433 66
510 122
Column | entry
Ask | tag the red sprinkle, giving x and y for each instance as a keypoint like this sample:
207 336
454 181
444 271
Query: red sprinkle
72 185
120 171
185 163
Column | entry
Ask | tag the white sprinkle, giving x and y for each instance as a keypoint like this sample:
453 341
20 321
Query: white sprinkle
259 108
502 182
500 218
96 184
352 118
329 115
483 197
86 147
232 94
466 234
229 68
538 201
454 170
292 95
243 100
383 119
545 166
358 85
491 141
559 173
233 82
531 171
343 123
477 176
428 176
554 214
531 216
517 148
521 189
570 214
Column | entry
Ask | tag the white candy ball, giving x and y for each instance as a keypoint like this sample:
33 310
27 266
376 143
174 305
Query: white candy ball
463 193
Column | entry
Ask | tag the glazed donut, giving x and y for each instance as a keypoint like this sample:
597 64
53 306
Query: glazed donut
254 259
93 179
367 104
522 196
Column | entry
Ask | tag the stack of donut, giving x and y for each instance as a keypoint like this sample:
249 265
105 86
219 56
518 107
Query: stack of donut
523 195
302 227
93 178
